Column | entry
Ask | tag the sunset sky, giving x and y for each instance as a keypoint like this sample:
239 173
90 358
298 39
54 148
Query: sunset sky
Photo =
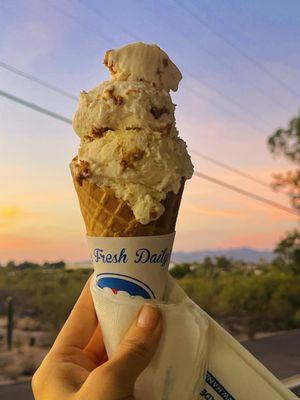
226 108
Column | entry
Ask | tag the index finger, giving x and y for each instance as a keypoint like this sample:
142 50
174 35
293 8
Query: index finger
82 322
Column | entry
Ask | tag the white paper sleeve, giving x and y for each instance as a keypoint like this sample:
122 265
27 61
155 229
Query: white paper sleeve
196 359
132 266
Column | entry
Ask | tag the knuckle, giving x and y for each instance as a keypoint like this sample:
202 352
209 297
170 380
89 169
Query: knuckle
136 348
35 382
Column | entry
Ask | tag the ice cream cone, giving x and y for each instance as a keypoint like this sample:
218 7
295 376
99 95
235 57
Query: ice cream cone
130 164
107 216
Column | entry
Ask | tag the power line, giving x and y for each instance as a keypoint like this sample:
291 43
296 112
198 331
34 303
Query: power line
211 87
79 22
216 57
35 107
247 194
273 100
229 168
73 97
70 16
35 79
227 110
238 171
230 100
62 118
196 173
97 12
251 59
65 119
256 87
226 97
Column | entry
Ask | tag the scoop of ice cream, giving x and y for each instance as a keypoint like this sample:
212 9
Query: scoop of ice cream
129 142
124 105
141 167
143 62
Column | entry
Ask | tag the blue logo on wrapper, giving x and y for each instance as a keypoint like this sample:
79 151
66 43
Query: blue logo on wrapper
124 283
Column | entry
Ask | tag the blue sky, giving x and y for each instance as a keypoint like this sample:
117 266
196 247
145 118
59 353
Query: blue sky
226 108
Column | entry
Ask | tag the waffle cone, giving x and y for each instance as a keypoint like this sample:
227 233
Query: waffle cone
106 215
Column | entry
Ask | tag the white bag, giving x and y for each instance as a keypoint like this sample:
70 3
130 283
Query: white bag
196 359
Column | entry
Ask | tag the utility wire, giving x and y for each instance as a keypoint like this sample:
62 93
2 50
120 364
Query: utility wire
47 112
61 11
248 194
238 171
258 88
229 168
224 108
35 79
235 71
273 100
73 97
231 100
94 10
196 173
209 86
35 107
251 59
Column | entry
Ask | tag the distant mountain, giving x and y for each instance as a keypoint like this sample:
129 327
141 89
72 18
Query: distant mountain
238 253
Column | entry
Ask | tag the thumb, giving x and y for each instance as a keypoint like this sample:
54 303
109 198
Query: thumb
139 344
118 375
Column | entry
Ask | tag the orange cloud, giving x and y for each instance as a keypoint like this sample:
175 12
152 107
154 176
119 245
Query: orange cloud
13 219
15 212
19 243
212 212
258 240
10 212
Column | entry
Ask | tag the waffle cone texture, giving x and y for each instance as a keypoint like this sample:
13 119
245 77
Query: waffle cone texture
106 215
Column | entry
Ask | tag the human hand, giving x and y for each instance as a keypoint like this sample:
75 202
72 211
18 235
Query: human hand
77 368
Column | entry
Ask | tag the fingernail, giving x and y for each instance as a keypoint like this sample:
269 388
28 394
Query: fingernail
149 317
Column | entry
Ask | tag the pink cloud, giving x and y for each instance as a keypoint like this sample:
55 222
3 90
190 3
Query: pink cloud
20 248
257 240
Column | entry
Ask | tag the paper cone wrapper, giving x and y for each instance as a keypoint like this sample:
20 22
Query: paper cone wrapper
132 266
177 370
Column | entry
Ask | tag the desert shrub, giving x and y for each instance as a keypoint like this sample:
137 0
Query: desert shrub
13 371
231 292
28 367
43 297
180 270
28 324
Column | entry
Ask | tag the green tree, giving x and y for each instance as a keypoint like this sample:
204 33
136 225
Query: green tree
27 265
207 268
223 263
266 302
11 265
203 291
288 252
180 270
56 265
208 263
286 142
